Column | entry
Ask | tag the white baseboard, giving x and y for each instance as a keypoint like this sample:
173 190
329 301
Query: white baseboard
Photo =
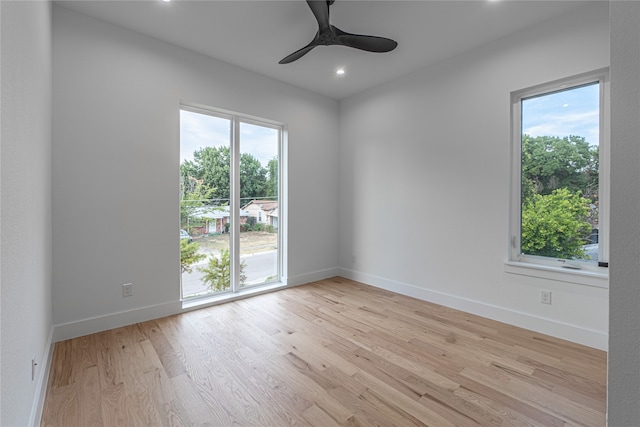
41 385
92 325
566 331
123 318
312 277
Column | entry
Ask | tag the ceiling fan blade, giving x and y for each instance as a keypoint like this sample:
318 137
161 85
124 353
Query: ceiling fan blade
362 42
329 35
320 9
298 53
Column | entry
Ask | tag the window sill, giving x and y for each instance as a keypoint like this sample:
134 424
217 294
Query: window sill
195 303
581 277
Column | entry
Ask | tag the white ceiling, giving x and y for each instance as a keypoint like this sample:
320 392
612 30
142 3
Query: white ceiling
256 34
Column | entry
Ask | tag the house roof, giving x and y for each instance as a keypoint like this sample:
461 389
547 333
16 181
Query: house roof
215 212
265 205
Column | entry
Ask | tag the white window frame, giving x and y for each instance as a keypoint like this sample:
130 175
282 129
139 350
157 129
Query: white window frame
545 267
234 244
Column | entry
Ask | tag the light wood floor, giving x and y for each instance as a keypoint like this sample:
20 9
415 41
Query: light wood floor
334 352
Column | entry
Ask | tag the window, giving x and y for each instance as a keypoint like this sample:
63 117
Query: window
229 163
559 206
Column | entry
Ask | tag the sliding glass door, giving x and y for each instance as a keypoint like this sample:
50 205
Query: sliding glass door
229 202
259 202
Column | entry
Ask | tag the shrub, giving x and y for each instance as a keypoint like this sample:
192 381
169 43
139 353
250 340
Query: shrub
189 255
555 225
217 273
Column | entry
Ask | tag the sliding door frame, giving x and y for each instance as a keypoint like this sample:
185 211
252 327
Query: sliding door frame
235 203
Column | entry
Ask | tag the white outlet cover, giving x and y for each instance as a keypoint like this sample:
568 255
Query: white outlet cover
545 297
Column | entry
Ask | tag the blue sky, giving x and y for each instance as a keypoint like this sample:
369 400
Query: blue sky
200 130
570 112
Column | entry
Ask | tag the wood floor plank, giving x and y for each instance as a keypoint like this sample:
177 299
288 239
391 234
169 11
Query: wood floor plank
203 405
112 404
315 384
405 403
89 384
518 403
314 415
169 359
61 406
331 353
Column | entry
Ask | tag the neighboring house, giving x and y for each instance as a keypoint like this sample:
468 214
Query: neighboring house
273 218
265 211
215 218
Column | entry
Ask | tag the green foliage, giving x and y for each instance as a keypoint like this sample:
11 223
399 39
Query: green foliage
555 225
559 181
272 180
211 168
550 163
193 194
217 273
251 224
253 178
189 255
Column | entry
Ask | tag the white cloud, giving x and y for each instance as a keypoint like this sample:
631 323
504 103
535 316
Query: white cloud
200 130
573 111
585 124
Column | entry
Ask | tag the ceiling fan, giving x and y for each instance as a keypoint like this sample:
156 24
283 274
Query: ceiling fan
329 35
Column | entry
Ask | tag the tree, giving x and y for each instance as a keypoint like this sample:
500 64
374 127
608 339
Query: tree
191 199
217 273
211 167
559 183
550 163
271 189
189 255
253 178
592 173
555 225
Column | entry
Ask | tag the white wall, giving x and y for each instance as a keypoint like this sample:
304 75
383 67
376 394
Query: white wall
25 205
115 168
623 392
425 172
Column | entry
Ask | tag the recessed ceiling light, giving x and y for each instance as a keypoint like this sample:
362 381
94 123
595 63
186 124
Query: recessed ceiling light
166 1
340 71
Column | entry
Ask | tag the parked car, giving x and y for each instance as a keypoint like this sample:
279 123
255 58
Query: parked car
185 235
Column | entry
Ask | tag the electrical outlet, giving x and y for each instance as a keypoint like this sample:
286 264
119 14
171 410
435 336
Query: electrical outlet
33 368
353 259
127 289
545 297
